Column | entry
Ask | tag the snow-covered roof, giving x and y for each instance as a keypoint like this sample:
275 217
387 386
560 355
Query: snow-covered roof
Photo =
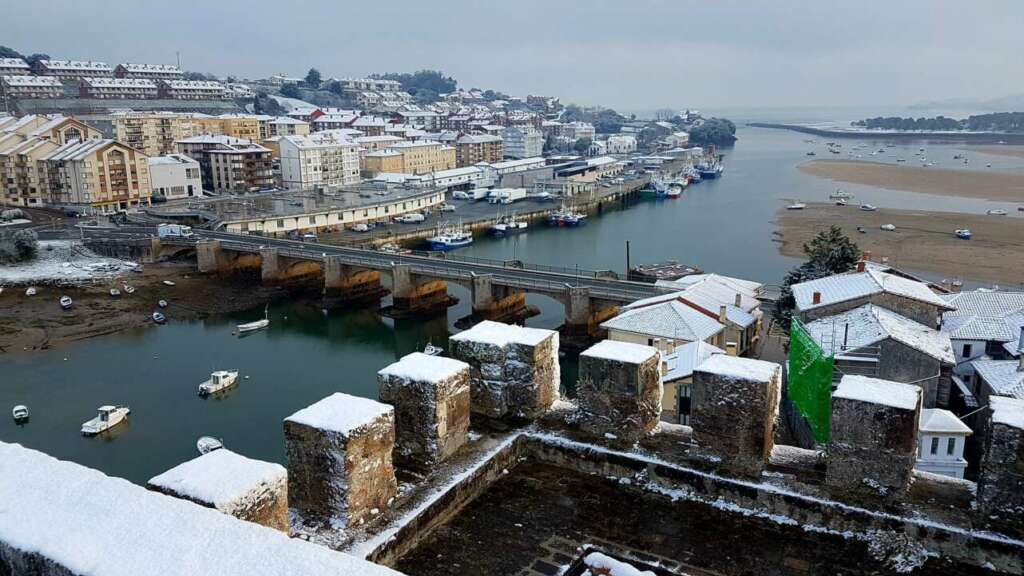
869 324
1004 377
598 563
878 391
34 81
749 288
319 140
222 478
143 533
478 139
152 68
420 367
455 172
120 83
1007 411
171 159
214 139
686 358
670 319
77 149
625 352
194 85
13 63
75 65
501 334
985 315
736 367
341 413
937 420
844 287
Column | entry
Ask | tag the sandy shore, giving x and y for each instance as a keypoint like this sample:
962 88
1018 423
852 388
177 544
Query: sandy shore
922 241
38 322
1000 150
998 186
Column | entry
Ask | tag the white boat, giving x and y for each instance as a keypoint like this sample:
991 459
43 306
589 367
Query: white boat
509 225
168 283
31 291
159 318
20 413
963 234
431 350
996 212
207 444
254 326
162 303
108 417
128 289
66 303
888 227
841 202
868 207
796 206
115 293
219 380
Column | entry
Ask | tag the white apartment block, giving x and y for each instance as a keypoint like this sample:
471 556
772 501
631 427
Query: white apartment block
191 89
621 144
175 176
321 159
74 69
521 142
578 130
21 86
118 88
13 67
148 71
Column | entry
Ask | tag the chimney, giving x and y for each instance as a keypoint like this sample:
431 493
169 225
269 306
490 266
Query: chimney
739 300
860 266
866 256
721 314
816 298
730 349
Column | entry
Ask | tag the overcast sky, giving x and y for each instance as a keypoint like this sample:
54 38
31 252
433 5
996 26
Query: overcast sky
632 55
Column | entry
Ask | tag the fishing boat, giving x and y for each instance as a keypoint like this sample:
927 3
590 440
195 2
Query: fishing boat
115 293
66 303
159 318
450 237
20 413
656 188
675 189
168 283
30 291
108 417
963 234
868 207
162 303
254 326
219 380
796 206
508 225
996 212
431 350
207 444
392 248
128 289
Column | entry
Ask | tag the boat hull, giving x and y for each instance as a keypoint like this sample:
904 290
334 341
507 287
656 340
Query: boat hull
445 246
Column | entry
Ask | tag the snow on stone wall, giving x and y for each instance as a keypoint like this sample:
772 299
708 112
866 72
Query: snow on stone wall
619 390
1001 474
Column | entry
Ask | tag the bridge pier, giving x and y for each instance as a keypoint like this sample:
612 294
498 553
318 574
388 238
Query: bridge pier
497 303
270 264
155 247
209 256
414 295
344 284
583 316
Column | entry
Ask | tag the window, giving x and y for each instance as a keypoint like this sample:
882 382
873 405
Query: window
950 446
935 446
650 341
967 351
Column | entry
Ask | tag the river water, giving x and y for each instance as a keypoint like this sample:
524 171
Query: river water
722 225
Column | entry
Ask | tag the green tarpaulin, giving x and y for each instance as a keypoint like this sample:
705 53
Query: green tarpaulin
810 381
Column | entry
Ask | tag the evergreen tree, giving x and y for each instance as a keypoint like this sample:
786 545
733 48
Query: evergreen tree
830 252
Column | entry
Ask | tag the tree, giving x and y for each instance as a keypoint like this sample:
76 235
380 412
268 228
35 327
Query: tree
335 87
6 52
18 245
313 78
33 59
830 252
717 131
199 76
582 146
291 91
433 81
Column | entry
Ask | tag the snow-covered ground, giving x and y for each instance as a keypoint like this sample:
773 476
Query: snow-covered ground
63 262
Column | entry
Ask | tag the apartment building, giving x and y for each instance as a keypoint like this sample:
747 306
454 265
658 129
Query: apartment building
285 126
117 88
191 89
473 148
620 144
242 126
22 86
175 176
73 69
23 143
375 143
229 164
153 133
99 175
370 125
578 130
320 160
14 67
521 142
369 84
425 156
148 71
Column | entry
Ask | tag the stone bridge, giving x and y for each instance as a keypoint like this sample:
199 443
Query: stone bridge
417 282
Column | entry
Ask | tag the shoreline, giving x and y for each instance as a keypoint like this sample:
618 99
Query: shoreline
977 184
979 137
923 240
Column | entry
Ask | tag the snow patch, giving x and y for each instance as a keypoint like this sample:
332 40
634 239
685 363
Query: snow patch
63 262
878 391
1007 411
341 413
625 352
229 481
420 367
737 368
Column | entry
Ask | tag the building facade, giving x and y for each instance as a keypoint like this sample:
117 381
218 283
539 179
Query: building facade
521 142
474 148
140 88
420 157
23 86
323 159
175 176
154 133
97 176
148 71
191 89
14 67
24 142
73 69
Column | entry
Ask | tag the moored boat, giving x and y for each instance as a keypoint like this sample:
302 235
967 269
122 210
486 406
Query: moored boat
168 283
254 326
128 289
108 417
30 291
450 237
162 303
431 350
20 413
219 380
963 234
115 293
796 206
996 212
868 207
207 444
66 303
888 227
159 318
509 225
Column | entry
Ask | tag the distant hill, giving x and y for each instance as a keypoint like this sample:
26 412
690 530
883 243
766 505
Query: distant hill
1011 102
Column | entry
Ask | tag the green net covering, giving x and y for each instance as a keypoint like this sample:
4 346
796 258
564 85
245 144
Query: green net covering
810 381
